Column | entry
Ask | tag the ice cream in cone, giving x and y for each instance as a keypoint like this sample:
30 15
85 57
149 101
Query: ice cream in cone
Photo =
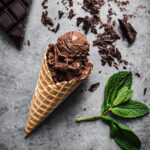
64 67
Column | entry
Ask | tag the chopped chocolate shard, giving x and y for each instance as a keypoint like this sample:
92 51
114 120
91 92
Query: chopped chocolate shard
60 14
88 22
105 42
144 92
93 6
94 87
46 20
70 3
56 29
128 30
13 15
116 65
43 4
124 61
71 14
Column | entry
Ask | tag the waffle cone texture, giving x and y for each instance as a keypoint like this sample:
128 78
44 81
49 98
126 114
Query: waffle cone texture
47 97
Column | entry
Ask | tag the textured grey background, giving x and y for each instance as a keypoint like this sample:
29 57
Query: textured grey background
19 72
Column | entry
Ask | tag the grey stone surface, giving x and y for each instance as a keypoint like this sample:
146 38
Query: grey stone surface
19 72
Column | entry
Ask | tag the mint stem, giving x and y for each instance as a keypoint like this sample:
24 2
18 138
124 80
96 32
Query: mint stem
92 118
88 119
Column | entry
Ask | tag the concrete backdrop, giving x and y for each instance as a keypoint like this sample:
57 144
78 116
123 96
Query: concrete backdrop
19 71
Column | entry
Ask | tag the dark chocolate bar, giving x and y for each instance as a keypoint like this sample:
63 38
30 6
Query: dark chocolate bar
13 15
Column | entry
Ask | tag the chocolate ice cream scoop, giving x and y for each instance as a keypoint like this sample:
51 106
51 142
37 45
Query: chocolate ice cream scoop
67 59
73 43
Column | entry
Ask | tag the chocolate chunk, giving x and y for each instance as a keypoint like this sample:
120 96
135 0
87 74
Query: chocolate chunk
144 92
94 87
13 15
128 30
60 14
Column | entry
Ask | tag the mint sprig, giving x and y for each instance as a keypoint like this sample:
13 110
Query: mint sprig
113 85
122 135
118 95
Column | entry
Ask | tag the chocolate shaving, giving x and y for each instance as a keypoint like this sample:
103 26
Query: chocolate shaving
94 87
71 14
127 30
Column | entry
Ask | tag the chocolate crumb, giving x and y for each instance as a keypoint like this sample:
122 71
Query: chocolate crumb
94 87
71 14
60 14
124 67
144 92
45 7
28 42
137 74
84 109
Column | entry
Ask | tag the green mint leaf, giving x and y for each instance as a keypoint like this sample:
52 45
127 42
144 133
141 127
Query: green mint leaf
113 85
130 109
123 95
122 135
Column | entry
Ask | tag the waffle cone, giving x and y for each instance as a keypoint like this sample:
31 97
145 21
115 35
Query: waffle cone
47 97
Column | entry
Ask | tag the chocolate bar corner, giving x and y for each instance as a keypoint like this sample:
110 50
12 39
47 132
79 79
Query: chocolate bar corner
13 15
